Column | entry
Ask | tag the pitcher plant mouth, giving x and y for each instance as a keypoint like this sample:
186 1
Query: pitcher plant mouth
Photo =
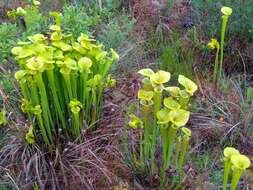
236 162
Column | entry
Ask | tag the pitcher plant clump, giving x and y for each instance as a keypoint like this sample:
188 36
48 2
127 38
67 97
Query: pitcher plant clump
214 44
62 81
164 110
235 162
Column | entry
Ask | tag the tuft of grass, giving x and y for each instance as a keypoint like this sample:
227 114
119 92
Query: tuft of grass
8 34
176 58
75 20
89 165
116 32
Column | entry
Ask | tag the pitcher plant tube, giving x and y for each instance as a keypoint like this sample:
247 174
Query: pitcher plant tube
228 152
226 12
214 44
239 164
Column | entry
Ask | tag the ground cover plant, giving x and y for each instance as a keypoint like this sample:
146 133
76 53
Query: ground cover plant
169 107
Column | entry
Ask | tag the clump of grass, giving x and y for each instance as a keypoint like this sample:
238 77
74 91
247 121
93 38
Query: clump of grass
175 58
89 165
116 32
8 34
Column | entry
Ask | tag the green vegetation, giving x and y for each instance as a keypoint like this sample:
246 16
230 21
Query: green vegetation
82 65
177 59
237 162
165 121
206 15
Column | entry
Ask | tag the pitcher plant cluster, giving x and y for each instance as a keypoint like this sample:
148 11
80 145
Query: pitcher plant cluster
234 163
62 82
164 114
219 47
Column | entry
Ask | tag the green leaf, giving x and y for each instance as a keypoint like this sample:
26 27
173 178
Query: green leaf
174 91
56 36
146 72
135 122
35 65
171 103
145 95
183 94
84 64
114 54
20 75
58 54
179 117
3 118
75 106
240 161
36 110
163 116
55 28
37 38
29 137
76 46
186 132
61 45
36 3
227 11
189 85
17 50
20 11
160 77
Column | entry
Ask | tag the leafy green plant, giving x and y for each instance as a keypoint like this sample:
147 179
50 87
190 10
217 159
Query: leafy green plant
62 82
164 112
237 162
